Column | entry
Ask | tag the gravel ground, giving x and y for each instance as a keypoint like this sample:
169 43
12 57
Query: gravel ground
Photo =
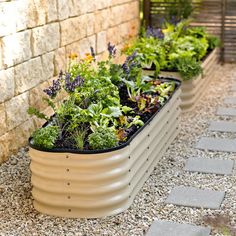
18 217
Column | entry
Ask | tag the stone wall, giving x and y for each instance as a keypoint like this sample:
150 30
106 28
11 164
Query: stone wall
36 37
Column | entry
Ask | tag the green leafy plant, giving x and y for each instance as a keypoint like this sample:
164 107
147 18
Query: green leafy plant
185 48
177 47
149 52
188 67
79 138
46 136
102 138
213 42
201 33
165 89
33 111
197 47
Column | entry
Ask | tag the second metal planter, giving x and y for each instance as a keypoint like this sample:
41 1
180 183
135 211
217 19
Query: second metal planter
194 88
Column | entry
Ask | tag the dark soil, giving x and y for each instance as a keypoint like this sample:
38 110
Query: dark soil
66 141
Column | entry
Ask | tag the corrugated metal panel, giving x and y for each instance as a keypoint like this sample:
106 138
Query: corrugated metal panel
218 16
97 185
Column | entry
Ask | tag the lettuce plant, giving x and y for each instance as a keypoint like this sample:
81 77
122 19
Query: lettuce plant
149 50
185 48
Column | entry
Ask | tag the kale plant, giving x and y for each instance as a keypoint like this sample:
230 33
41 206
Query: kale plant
188 67
102 138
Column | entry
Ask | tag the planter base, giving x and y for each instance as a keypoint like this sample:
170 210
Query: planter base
97 185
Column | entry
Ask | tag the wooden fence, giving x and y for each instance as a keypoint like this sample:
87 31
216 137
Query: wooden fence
219 16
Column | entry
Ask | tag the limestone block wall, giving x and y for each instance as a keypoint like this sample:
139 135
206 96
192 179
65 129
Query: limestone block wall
36 37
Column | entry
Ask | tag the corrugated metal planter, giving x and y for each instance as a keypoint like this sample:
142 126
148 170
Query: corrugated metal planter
194 88
91 185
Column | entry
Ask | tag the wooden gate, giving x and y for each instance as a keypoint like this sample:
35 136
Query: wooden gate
218 16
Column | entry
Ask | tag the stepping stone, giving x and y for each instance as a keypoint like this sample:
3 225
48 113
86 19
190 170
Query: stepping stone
167 228
225 111
206 165
217 144
194 197
230 100
222 126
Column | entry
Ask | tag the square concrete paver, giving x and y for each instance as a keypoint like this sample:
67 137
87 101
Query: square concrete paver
230 100
226 111
222 126
168 228
194 197
206 165
217 144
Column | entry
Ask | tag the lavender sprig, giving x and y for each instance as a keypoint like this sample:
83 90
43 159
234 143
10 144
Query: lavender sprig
71 85
111 49
93 53
174 20
52 90
156 33
129 63
125 68
132 56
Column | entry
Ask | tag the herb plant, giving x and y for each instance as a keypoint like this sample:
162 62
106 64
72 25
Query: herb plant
46 137
185 47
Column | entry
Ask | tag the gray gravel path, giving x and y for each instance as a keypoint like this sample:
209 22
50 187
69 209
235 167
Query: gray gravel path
18 218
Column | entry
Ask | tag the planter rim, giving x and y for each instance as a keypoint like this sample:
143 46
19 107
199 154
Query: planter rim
70 150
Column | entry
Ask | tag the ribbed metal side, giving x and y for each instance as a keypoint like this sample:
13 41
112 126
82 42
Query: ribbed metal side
97 185
194 88
198 86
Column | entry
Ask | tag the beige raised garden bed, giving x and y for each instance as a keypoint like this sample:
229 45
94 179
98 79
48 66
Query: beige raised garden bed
194 88
102 184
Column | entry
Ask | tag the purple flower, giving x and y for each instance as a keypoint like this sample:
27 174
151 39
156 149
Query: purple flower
156 33
111 49
52 90
132 56
130 63
174 20
70 84
125 68
162 20
93 53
